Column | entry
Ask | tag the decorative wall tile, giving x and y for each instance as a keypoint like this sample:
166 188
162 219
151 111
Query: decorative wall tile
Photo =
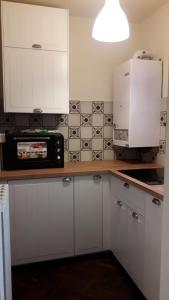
50 121
97 144
162 148
163 132
86 107
164 102
97 119
108 120
98 107
66 158
86 144
86 120
74 119
74 132
108 155
74 156
7 120
83 129
66 145
36 121
108 144
86 132
63 120
97 132
74 144
163 118
121 135
74 107
86 155
108 108
108 132
22 121
64 131
97 155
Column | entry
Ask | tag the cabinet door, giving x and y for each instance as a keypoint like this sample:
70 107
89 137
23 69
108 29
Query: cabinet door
153 228
136 235
119 243
41 219
35 79
88 214
25 26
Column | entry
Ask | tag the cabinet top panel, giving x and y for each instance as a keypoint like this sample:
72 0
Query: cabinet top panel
35 27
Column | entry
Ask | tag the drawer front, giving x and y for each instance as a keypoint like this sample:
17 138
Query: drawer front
132 196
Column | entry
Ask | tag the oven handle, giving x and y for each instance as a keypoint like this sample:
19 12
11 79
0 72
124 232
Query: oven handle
40 138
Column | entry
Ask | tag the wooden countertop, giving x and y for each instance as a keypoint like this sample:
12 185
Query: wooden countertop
88 168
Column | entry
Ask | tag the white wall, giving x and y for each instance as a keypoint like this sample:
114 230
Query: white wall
92 62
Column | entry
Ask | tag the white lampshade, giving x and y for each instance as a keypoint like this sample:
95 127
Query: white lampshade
111 24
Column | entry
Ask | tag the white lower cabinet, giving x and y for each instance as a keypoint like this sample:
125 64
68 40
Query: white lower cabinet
152 260
41 219
65 216
88 214
136 235
119 231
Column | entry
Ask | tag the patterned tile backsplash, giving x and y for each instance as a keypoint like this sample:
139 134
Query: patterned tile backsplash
87 129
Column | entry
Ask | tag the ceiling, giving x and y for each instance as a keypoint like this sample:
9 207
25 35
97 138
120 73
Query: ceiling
136 10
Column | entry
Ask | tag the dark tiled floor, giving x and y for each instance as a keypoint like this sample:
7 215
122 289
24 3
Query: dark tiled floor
94 277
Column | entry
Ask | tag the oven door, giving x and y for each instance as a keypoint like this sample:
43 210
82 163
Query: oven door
29 152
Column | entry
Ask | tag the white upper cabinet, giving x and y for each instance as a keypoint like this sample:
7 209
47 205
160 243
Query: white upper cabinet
35 80
31 26
136 103
35 58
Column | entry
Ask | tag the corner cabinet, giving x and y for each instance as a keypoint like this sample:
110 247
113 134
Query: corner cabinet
35 58
136 235
42 219
136 103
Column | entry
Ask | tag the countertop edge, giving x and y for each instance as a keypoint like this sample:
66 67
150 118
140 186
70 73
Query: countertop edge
86 168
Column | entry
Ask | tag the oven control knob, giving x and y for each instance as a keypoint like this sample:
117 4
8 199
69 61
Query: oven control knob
58 150
58 142
58 157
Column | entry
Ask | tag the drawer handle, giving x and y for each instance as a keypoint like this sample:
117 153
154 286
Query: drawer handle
156 201
37 46
126 185
119 203
97 177
37 110
135 215
67 179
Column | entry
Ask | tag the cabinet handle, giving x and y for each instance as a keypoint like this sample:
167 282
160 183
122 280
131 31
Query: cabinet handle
114 126
126 185
97 177
119 203
36 46
156 201
38 110
67 179
135 215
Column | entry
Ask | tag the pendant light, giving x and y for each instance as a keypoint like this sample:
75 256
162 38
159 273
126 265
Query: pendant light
111 24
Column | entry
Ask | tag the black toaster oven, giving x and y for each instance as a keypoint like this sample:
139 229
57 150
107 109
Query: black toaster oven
33 150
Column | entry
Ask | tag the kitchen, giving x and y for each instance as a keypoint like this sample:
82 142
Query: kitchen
93 62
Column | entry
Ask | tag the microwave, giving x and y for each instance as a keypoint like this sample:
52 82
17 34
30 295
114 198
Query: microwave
34 150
